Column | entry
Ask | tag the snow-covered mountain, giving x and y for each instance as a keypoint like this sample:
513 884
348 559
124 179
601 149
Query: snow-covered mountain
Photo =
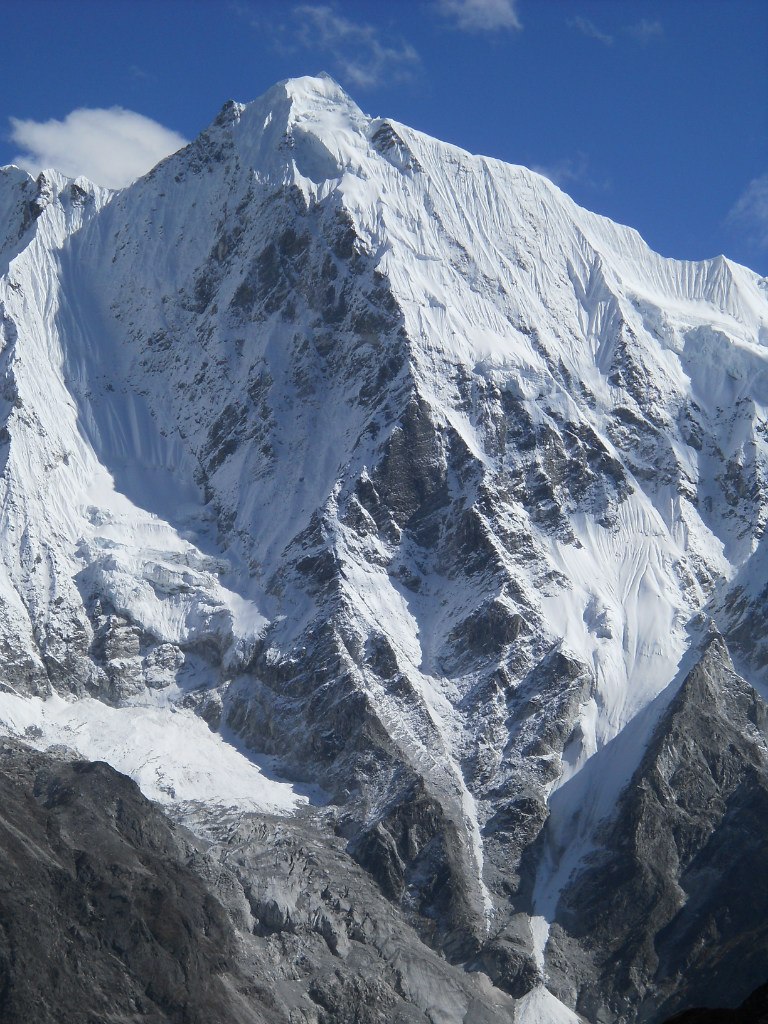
433 494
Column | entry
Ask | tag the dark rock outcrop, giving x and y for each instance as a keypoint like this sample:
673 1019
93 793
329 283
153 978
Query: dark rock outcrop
102 917
662 912
111 912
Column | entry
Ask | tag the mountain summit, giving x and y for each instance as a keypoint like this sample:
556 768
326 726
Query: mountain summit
425 487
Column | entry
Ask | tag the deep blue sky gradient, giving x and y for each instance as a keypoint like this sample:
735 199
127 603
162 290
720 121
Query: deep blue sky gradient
663 134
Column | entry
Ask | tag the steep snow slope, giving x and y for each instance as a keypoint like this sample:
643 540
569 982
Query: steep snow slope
170 752
415 473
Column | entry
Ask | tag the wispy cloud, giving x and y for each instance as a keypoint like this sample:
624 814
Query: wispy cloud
572 170
357 50
749 215
565 170
111 147
591 30
141 74
645 31
481 15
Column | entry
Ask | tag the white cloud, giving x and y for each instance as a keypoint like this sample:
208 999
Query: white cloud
590 29
645 31
110 147
481 15
749 215
355 48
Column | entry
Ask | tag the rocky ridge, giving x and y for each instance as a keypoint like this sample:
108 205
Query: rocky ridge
661 908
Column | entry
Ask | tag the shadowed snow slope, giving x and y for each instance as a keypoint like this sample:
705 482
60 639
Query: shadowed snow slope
391 458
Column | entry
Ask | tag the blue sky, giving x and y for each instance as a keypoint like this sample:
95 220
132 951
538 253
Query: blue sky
655 114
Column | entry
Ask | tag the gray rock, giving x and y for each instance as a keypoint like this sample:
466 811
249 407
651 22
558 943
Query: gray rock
661 914
110 911
102 918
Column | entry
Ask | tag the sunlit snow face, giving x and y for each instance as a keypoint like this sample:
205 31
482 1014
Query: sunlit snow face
171 753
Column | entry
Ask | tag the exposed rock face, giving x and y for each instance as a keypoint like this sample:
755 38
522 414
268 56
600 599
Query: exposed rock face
662 912
102 916
405 473
110 912
326 929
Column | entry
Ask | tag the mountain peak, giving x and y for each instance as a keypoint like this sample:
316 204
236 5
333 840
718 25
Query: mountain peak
305 96
405 469
312 87
306 127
